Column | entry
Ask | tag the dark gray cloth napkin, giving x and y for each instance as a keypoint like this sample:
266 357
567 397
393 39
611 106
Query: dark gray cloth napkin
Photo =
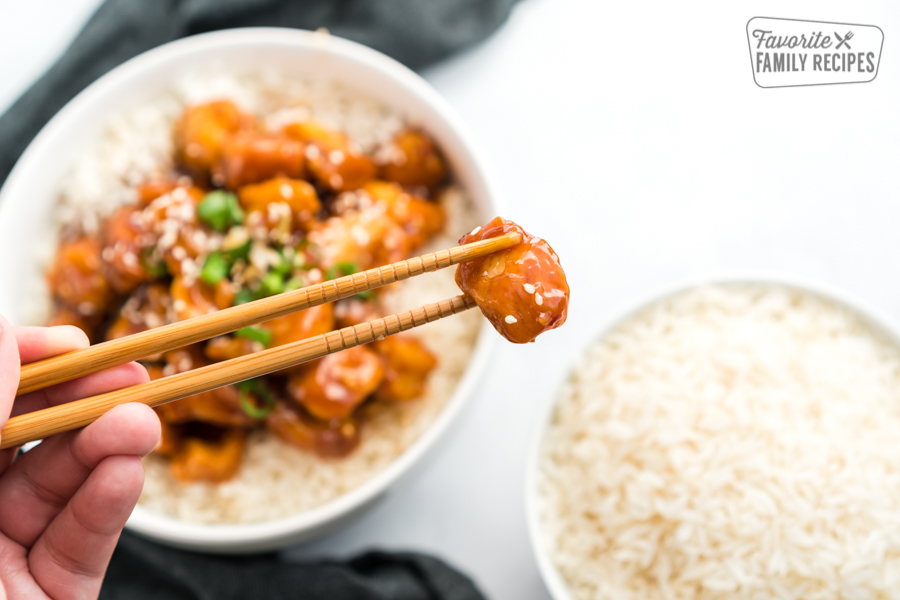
142 570
415 32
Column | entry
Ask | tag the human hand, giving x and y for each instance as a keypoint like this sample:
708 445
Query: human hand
64 503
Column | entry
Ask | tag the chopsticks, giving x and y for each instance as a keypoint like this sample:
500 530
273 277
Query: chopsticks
65 417
51 371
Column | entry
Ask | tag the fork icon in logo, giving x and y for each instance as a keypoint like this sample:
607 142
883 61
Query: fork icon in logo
843 40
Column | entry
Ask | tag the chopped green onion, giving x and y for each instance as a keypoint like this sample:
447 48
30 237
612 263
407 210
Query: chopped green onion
153 268
242 252
366 295
341 269
348 268
283 267
271 284
294 283
257 334
215 268
258 389
244 296
220 210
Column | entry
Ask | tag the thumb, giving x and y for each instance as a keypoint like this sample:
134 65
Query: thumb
9 369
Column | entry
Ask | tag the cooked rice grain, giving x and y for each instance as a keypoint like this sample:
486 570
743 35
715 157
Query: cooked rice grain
735 441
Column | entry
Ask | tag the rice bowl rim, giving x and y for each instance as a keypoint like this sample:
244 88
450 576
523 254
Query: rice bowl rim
434 112
879 321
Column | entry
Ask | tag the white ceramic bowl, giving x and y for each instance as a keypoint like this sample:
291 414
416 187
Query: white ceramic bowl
553 579
28 197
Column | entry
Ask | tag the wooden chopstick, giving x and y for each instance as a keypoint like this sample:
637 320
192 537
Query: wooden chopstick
50 371
72 415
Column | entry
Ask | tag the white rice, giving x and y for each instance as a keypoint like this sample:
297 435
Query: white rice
735 441
277 480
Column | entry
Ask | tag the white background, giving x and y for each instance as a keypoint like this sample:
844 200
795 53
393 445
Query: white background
632 136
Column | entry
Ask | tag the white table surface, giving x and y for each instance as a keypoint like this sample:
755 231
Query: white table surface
633 137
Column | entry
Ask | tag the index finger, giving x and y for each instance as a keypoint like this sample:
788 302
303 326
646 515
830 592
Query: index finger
36 343
9 368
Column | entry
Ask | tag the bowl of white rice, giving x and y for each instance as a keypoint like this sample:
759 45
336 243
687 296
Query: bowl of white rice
736 438
117 133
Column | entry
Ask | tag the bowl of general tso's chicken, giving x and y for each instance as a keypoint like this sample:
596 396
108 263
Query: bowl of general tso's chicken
226 168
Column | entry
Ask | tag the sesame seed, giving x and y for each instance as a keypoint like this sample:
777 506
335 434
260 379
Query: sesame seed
510 319
360 235
476 230
130 260
534 240
312 152
538 299
286 190
336 181
334 391
179 305
336 156
528 288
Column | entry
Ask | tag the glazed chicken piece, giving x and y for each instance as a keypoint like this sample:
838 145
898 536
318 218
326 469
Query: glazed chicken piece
181 254
179 204
407 365
199 459
522 290
149 191
76 276
368 238
121 235
174 237
338 383
147 308
331 439
221 406
192 299
298 197
198 298
353 311
413 160
226 347
332 159
201 132
419 218
300 325
250 157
